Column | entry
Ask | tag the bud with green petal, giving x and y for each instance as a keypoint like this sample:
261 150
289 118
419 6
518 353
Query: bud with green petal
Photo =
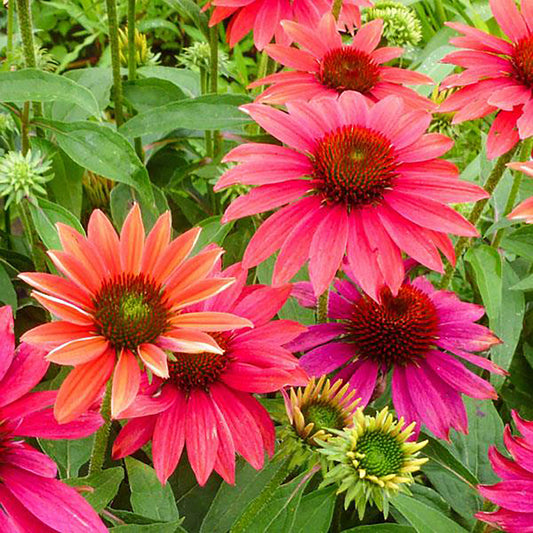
143 54
7 124
372 461
23 176
198 57
401 26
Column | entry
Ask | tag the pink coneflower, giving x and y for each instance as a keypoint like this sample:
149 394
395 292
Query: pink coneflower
498 76
120 305
264 17
206 405
31 498
324 66
523 211
417 334
356 178
513 494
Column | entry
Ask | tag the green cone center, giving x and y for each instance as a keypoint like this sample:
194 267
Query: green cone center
383 454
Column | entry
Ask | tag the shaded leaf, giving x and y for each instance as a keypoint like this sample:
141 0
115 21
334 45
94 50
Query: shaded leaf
105 485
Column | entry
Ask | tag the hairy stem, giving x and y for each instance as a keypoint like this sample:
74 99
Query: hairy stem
213 80
132 65
36 250
102 435
525 152
322 307
112 21
464 242
10 30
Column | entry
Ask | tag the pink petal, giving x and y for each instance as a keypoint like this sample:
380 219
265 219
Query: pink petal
363 380
509 18
503 134
261 305
33 461
7 339
134 435
368 36
326 358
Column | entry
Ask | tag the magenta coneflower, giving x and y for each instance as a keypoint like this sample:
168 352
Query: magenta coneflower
207 405
417 334
513 493
264 17
31 498
498 76
324 66
354 177
523 211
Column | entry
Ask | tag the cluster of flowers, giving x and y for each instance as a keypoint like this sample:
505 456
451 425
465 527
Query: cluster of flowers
182 344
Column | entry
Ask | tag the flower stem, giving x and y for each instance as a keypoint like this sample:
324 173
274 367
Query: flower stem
336 9
441 14
10 30
102 435
322 307
36 250
255 507
112 21
525 153
132 65
464 242
213 80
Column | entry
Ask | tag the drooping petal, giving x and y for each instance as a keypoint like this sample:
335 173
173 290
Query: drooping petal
7 339
78 351
135 434
154 358
126 381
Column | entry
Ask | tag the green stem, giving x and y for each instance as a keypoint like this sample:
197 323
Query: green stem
24 128
255 507
10 30
525 152
336 9
464 242
102 435
36 250
112 21
322 307
213 79
441 14
132 65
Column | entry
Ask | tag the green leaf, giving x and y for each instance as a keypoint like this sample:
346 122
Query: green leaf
231 500
39 86
520 242
423 517
103 151
45 215
381 528
211 112
105 485
8 296
69 455
187 80
508 323
145 94
191 10
212 232
315 511
524 285
487 265
148 497
159 527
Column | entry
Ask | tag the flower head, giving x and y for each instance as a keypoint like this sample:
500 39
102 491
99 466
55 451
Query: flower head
206 404
523 211
264 17
513 493
498 76
356 178
417 334
198 57
313 411
31 498
23 175
324 66
120 304
372 460
401 26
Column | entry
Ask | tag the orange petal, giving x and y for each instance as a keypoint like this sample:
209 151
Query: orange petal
102 234
57 286
177 251
82 387
80 247
201 290
56 333
156 242
155 359
211 321
126 381
189 341
132 241
64 310
74 269
192 270
78 351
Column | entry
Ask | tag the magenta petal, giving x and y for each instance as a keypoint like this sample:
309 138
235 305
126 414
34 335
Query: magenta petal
33 461
169 438
225 461
53 502
509 520
505 468
401 399
29 403
144 405
315 335
27 369
7 339
135 434
201 435
514 495
525 427
363 380
262 304
327 358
